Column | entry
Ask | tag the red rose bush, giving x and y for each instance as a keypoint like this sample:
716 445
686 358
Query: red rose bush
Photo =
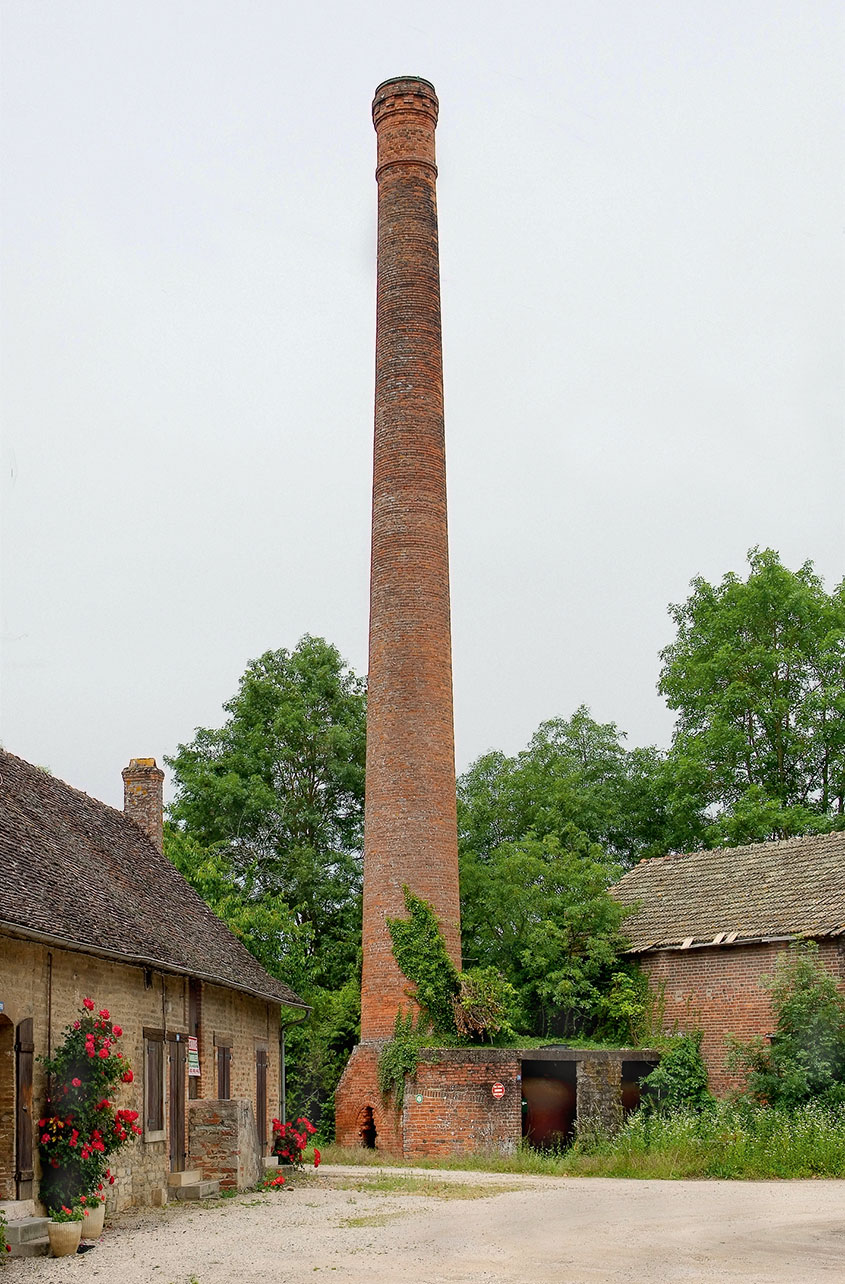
82 1125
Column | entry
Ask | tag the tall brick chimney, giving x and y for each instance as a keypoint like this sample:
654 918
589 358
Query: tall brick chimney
143 798
410 826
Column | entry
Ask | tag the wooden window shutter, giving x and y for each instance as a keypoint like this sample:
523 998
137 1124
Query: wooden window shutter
24 1049
154 1084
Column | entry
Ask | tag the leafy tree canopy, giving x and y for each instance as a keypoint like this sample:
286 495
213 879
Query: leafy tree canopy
538 911
757 677
273 801
575 774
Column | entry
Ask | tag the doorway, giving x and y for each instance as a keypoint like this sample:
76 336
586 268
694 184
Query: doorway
549 1103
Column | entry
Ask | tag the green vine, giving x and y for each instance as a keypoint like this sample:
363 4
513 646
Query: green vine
399 1058
421 953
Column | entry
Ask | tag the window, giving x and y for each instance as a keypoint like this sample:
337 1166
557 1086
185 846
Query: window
154 1085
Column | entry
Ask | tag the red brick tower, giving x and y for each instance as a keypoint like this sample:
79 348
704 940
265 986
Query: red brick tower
410 829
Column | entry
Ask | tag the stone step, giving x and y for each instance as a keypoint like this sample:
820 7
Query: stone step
25 1229
198 1190
271 1161
15 1209
188 1178
32 1248
27 1237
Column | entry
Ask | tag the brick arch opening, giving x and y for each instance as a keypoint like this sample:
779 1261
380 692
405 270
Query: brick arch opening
7 1109
366 1125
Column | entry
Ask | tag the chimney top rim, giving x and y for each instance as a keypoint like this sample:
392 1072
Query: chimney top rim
405 80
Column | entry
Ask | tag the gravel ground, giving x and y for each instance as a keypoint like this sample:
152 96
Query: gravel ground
475 1228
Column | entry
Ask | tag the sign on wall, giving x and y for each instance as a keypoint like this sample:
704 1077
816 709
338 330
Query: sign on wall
193 1056
498 1091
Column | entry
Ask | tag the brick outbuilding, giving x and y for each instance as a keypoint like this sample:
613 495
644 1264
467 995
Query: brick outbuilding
708 928
89 906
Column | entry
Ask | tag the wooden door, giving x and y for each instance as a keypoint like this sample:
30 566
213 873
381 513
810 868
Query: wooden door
24 1049
178 1145
261 1060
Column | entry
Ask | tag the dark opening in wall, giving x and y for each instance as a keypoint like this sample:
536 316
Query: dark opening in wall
549 1103
633 1072
367 1131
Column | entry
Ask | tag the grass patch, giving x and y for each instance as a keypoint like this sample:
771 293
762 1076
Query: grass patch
371 1219
733 1140
403 1184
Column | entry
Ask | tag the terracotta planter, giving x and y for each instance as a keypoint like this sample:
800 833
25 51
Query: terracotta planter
64 1237
92 1222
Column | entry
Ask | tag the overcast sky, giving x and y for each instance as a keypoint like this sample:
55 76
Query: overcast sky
642 229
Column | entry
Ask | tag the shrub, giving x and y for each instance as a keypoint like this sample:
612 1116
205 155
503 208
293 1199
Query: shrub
806 1059
290 1139
484 1004
679 1083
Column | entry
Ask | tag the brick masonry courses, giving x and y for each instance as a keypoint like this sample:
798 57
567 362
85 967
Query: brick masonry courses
721 990
36 981
457 1113
410 828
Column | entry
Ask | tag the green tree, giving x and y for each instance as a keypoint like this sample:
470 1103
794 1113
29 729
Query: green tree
538 911
276 795
575 773
757 677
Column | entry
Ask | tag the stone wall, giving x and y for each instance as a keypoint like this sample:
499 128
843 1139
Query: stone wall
223 1143
36 981
720 990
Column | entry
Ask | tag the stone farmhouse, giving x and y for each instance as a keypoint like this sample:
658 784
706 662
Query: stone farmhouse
707 928
89 906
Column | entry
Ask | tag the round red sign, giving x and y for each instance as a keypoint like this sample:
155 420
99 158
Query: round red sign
498 1090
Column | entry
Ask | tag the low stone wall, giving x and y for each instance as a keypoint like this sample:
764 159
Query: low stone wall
223 1142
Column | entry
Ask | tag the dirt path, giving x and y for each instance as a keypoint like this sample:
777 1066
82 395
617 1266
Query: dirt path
366 1225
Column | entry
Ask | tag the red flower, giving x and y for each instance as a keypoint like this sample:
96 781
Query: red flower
89 1004
76 1025
127 1076
83 1199
104 1013
117 1031
317 1157
104 1052
45 1139
77 1083
111 1181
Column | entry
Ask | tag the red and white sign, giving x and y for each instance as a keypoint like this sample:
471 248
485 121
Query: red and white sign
498 1091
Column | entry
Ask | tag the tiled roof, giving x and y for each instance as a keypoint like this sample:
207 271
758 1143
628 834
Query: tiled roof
791 888
77 872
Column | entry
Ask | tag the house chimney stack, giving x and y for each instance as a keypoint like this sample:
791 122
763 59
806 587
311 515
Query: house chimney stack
410 826
143 798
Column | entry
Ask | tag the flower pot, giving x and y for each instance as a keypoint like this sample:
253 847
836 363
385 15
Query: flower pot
92 1222
64 1237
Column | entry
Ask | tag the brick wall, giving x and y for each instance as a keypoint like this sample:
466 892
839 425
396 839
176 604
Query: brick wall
719 990
223 1143
137 999
449 1107
410 827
